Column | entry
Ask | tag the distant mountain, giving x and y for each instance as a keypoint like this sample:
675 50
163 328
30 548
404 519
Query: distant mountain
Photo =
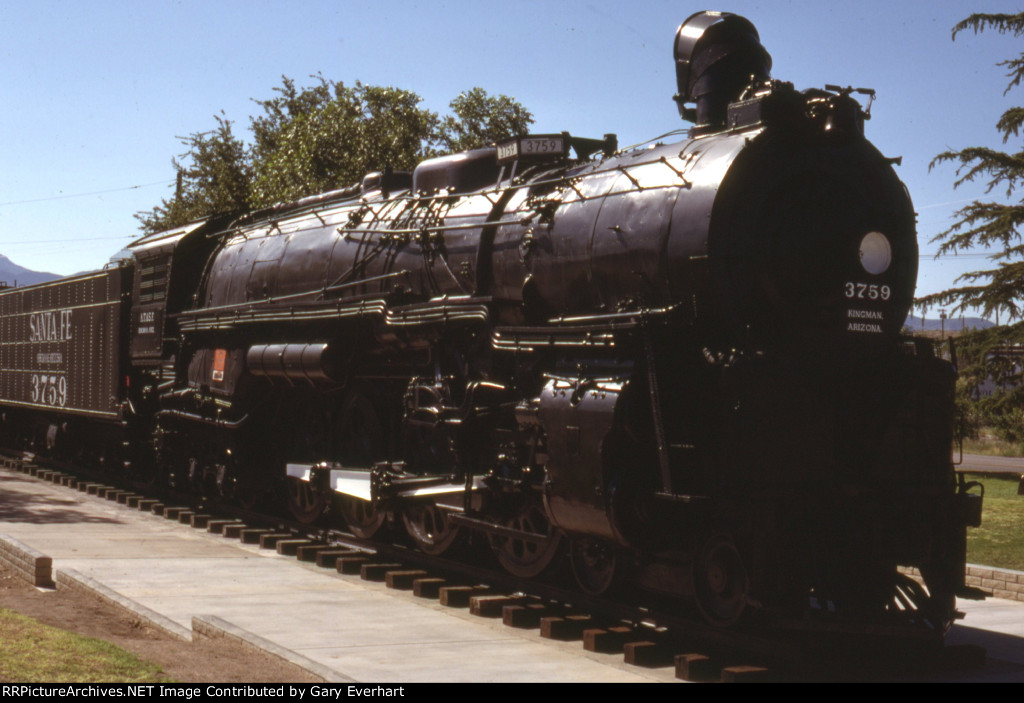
11 273
953 324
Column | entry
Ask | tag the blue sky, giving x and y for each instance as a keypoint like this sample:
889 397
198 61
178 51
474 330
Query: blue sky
94 94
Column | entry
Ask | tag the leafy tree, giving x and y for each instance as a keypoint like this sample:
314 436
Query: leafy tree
480 120
289 104
990 224
213 175
320 138
325 144
990 392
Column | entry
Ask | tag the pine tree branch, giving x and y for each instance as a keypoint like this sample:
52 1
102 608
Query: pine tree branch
1015 72
1001 22
1010 123
987 225
1004 24
998 166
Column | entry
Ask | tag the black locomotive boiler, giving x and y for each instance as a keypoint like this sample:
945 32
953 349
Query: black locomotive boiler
680 364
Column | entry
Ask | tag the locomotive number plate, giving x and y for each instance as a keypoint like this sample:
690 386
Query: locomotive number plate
50 389
867 291
536 146
508 151
541 146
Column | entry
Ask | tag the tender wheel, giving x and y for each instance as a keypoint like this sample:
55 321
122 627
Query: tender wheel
720 581
524 557
431 529
305 504
363 519
595 565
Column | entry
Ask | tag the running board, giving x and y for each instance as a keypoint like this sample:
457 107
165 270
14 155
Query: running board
360 483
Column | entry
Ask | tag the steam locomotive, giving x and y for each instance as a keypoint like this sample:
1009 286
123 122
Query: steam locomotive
680 365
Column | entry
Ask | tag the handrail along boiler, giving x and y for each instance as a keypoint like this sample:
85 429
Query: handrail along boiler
680 364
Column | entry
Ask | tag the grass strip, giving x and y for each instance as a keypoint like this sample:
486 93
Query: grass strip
999 541
31 652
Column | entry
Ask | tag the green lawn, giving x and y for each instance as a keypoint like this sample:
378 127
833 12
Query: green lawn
1000 539
31 652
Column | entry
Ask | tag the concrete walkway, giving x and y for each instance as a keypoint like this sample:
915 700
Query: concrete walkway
350 630
340 627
